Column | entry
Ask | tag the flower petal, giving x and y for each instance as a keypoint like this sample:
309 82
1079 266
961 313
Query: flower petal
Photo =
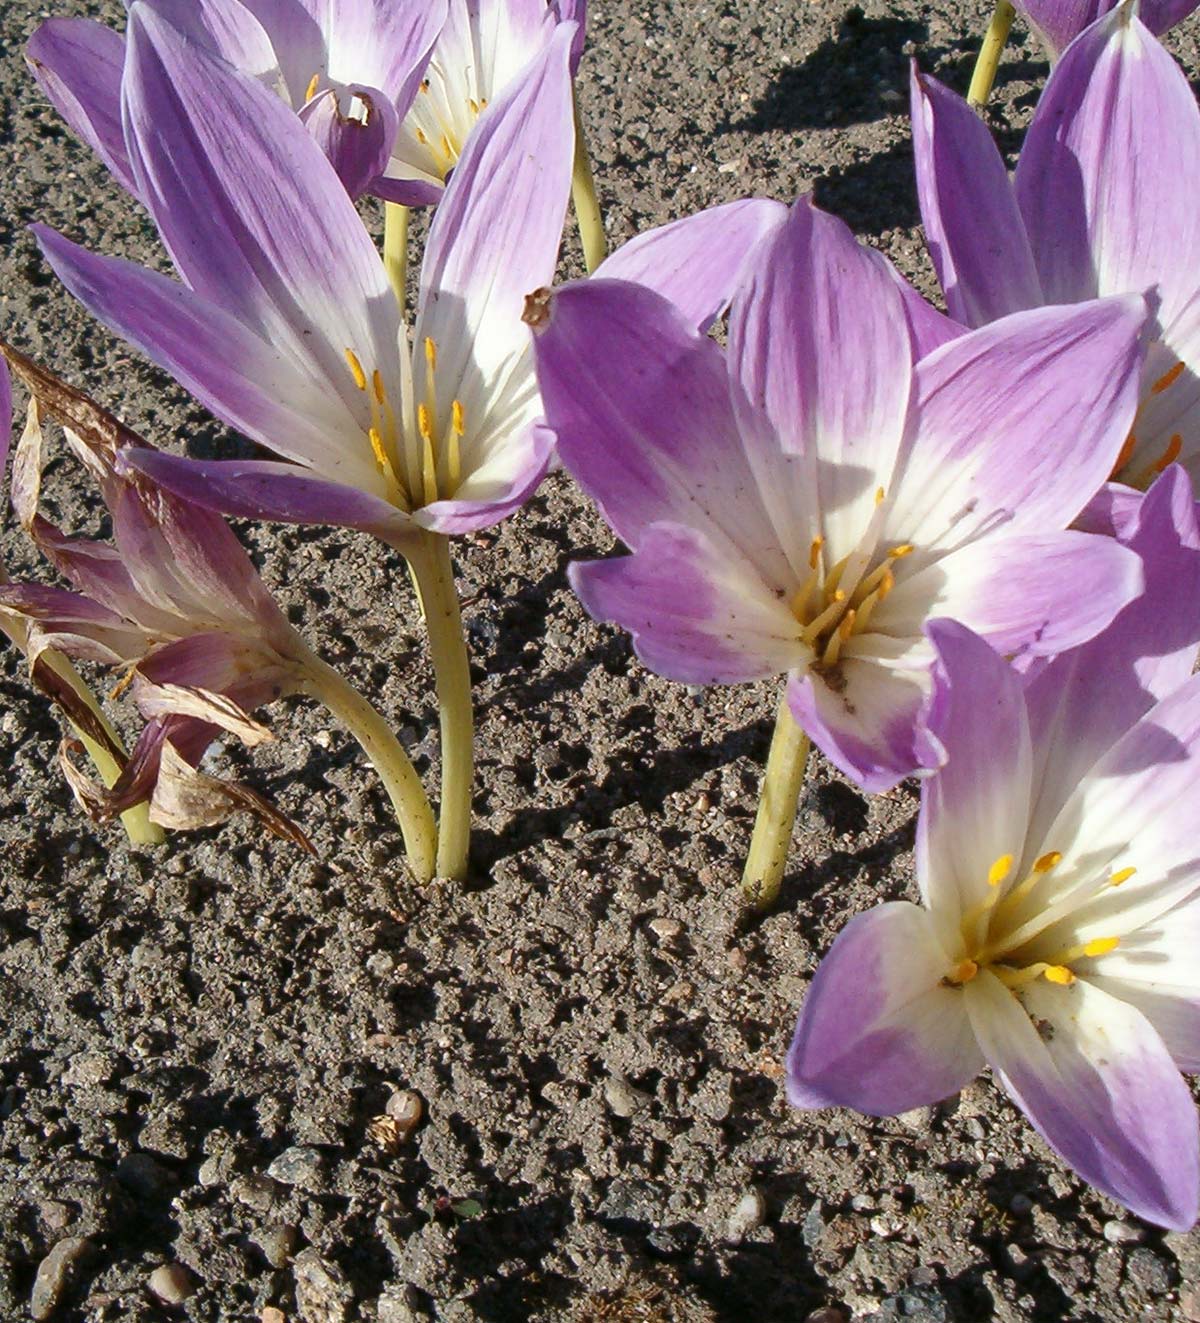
696 614
641 407
1100 1088
261 489
975 810
697 263
495 488
878 1032
1018 424
975 233
1085 700
819 341
355 127
77 63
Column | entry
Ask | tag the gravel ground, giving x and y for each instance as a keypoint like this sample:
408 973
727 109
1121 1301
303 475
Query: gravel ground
194 1056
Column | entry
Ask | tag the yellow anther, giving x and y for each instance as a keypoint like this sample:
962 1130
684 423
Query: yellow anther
315 81
430 352
473 104
879 495
377 385
1123 876
123 683
1059 974
826 618
446 148
425 424
1101 946
1167 379
1170 455
356 369
963 972
421 138
904 549
814 552
456 418
1000 870
1046 862
377 446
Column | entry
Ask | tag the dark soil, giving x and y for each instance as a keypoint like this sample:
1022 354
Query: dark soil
196 1040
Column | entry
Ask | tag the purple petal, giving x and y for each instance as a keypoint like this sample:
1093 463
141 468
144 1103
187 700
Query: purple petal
641 407
1113 511
870 725
229 29
355 127
928 328
975 809
1101 1089
696 614
1059 22
697 263
1018 424
1030 593
975 233
819 341
261 489
249 209
78 63
878 1031
1085 700
384 43
249 383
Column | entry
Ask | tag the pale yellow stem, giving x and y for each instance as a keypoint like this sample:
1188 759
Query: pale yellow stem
428 556
395 248
386 755
777 805
583 195
989 54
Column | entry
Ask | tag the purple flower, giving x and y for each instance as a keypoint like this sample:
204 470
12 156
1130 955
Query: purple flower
1059 870
174 602
391 89
807 501
1103 202
286 325
1059 22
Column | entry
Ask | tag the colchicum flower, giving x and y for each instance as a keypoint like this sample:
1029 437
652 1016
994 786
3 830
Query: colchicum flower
805 502
1103 202
391 89
1059 870
176 604
1059 22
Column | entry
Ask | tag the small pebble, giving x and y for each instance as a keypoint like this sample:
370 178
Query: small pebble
272 1314
406 1109
918 1118
1020 1205
862 1203
622 1098
299 1165
975 1128
172 1283
737 960
666 930
747 1216
55 1275
1122 1233
277 1244
255 1191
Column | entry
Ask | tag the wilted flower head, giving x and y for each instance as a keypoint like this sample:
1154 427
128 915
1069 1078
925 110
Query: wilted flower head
1059 869
173 602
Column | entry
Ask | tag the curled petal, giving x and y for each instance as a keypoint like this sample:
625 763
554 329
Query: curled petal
355 127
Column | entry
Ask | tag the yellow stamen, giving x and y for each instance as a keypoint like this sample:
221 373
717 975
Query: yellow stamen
867 606
1059 974
473 104
381 457
356 369
825 619
454 447
1170 455
814 552
833 649
456 418
421 138
315 81
446 148
123 683
1101 946
377 384
1051 859
1167 379
963 972
1000 870
424 425
904 549
431 353
879 495
1123 876
1126 451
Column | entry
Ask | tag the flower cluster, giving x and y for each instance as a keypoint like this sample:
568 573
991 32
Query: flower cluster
966 541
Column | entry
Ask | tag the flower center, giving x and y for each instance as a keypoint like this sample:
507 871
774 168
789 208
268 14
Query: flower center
833 604
439 130
1000 932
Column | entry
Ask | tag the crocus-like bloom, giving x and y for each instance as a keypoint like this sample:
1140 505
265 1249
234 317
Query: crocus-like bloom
288 329
806 501
1059 22
391 89
1103 202
1059 869
174 602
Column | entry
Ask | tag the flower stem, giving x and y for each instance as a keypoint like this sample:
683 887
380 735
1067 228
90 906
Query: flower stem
776 810
395 248
136 820
387 756
989 54
583 195
429 558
